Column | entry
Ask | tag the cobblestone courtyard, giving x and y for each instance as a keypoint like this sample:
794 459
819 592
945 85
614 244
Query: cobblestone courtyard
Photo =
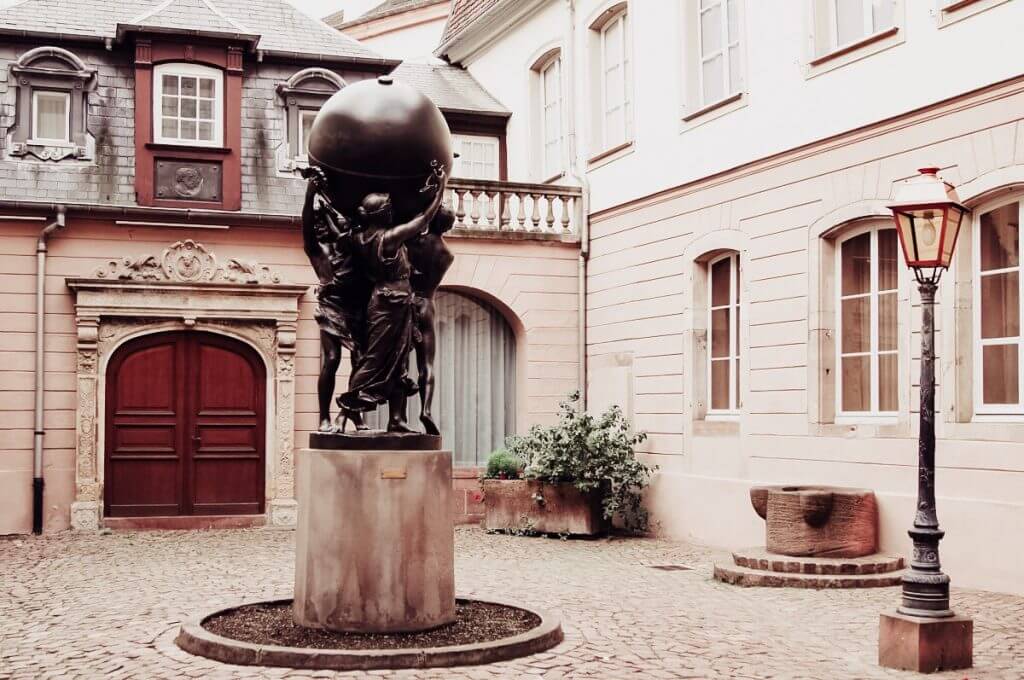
75 606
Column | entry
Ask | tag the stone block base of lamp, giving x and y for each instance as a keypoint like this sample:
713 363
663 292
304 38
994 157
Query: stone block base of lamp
925 645
375 548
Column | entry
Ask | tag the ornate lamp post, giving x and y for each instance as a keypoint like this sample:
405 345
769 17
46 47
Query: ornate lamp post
925 635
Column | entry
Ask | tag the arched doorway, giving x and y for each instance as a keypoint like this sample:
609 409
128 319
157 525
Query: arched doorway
475 372
185 423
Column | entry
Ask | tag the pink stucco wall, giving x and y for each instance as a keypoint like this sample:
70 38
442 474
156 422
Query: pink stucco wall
532 283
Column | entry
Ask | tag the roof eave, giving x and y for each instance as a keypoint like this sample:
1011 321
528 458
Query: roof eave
377 64
505 115
251 39
474 36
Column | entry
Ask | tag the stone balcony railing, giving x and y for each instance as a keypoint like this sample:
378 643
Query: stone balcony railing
516 210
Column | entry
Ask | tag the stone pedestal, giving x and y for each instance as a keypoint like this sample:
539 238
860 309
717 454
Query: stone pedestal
375 548
925 645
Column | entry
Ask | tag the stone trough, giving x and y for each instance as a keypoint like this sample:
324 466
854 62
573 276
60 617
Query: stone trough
815 537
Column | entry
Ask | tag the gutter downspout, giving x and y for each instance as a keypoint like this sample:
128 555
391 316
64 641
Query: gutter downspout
584 212
37 443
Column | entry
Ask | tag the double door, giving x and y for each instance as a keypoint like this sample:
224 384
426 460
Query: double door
185 427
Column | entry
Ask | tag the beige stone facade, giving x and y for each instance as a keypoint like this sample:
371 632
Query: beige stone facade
109 283
647 336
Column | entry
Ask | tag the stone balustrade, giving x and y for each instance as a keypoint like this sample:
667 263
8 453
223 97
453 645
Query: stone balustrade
516 208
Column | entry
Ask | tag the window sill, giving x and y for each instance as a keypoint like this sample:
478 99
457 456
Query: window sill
52 143
964 9
610 155
867 419
872 44
721 103
163 146
1017 417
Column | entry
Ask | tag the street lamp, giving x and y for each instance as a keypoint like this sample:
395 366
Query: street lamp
924 634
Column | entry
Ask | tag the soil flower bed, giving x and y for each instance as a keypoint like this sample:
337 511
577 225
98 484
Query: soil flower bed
272 624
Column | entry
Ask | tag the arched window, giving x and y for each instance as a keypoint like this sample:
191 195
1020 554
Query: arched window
724 337
867 264
475 371
997 310
611 79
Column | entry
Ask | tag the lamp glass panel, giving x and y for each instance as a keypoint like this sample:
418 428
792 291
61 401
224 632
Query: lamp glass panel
954 219
927 232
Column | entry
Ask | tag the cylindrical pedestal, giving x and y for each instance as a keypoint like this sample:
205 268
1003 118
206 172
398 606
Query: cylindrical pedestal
375 544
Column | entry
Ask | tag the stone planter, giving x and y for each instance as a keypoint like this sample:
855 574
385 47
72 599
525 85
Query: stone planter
531 506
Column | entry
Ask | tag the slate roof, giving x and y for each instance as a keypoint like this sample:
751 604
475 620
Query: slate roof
384 9
279 27
450 87
464 13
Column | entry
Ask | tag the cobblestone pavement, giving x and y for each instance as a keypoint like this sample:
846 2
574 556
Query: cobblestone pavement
74 606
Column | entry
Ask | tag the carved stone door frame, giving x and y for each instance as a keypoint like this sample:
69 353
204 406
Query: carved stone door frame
184 289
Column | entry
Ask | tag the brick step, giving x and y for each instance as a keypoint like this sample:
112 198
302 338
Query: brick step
742 576
760 559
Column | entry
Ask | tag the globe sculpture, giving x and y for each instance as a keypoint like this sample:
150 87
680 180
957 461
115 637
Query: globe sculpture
379 136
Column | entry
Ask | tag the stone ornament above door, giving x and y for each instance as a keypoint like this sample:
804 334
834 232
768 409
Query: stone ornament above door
186 261
182 288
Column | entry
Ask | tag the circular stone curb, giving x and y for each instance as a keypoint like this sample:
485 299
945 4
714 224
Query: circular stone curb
195 639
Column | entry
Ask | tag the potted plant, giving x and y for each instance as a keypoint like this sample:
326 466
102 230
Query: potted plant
572 478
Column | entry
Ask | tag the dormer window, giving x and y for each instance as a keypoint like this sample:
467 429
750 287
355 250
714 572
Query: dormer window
188 101
302 95
51 118
53 87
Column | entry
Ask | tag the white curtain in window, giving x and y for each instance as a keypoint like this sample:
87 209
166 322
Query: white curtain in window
475 369
52 115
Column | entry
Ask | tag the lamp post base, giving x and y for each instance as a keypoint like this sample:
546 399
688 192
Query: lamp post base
925 645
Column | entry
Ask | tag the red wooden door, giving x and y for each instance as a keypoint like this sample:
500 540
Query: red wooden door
185 427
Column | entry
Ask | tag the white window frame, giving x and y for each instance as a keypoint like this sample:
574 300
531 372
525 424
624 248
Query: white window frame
493 142
47 141
977 342
727 90
735 302
874 412
301 151
867 19
627 127
543 72
188 70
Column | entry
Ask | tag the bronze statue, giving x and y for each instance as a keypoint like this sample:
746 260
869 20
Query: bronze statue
380 154
381 374
430 259
341 296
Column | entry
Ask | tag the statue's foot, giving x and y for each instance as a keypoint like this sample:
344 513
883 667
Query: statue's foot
400 426
428 424
326 426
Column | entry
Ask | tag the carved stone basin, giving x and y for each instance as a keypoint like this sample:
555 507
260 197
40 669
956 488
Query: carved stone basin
817 521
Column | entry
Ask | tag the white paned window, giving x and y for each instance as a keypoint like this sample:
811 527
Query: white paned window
551 117
997 311
720 72
848 21
188 105
306 119
723 325
478 157
51 117
616 111
866 341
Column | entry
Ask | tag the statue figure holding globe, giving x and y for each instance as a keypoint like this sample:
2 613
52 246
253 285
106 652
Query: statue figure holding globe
373 226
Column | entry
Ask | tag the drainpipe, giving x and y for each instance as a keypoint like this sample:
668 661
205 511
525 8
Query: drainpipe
584 213
37 444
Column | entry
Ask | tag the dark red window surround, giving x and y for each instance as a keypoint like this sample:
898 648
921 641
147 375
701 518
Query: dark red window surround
149 53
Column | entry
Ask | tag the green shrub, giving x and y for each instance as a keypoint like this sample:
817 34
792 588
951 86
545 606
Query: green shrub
594 454
503 465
